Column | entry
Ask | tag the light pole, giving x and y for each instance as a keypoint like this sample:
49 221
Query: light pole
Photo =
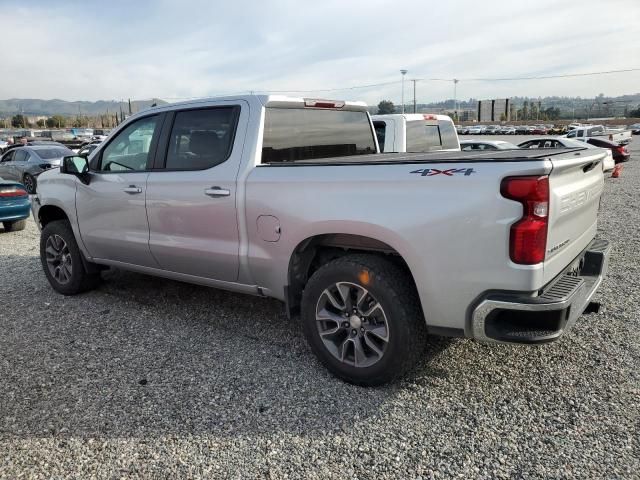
415 105
455 97
403 72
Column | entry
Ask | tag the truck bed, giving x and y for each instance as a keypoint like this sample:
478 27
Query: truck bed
523 155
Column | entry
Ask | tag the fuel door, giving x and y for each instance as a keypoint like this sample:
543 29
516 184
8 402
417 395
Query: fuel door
268 228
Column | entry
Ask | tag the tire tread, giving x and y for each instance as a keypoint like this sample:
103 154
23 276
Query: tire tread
401 288
81 281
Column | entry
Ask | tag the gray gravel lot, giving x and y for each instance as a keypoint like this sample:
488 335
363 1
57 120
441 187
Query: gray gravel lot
153 378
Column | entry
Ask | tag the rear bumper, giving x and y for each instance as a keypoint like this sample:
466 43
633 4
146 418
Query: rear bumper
508 317
18 210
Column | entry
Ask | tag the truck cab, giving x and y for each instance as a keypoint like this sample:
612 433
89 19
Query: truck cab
415 133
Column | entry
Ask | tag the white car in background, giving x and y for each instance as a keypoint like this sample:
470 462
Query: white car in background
475 130
563 142
467 145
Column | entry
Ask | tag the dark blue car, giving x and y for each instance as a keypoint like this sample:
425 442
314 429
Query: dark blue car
15 205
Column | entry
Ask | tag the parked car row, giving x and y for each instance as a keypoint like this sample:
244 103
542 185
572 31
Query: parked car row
510 129
24 162
619 135
617 153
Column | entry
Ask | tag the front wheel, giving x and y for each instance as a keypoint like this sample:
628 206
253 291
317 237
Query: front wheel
362 318
62 261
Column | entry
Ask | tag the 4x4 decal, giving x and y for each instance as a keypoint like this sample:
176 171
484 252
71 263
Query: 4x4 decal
450 172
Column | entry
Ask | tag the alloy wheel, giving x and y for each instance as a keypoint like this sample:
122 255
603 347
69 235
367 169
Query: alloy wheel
58 258
352 324
29 184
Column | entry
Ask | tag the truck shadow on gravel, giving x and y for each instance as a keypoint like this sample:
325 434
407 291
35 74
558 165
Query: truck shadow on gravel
143 356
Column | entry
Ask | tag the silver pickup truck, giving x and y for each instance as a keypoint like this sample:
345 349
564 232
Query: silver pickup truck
288 198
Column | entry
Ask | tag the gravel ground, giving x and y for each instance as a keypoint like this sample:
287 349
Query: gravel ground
158 379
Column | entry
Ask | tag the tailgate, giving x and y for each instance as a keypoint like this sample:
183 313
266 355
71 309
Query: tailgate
575 185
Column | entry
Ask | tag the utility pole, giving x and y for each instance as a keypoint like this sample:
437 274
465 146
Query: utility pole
403 72
414 80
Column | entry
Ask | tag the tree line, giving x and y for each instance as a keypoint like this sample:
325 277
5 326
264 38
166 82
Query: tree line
60 121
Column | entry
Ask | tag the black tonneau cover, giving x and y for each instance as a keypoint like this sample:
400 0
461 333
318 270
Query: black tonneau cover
519 155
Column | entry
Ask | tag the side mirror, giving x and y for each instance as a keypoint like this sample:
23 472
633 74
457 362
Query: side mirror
76 165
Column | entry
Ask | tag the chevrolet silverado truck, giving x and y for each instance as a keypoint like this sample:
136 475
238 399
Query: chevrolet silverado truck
289 198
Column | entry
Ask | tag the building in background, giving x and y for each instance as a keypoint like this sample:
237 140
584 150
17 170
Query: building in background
496 110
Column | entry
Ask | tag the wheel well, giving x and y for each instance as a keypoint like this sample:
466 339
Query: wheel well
49 213
316 251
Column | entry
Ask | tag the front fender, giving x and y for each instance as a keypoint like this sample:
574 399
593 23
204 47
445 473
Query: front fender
59 190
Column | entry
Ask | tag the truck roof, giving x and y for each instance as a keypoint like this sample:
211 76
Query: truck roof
281 101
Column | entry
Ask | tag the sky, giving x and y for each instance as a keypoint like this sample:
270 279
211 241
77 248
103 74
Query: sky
177 50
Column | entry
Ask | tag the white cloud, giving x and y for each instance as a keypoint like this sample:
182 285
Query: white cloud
189 49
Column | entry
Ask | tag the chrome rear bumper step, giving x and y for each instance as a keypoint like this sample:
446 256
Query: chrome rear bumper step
507 317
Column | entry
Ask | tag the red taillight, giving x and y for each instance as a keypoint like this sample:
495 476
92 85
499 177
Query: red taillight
310 102
12 192
528 240
621 149
429 117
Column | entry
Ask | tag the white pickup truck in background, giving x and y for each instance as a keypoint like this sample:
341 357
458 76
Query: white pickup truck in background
619 136
416 133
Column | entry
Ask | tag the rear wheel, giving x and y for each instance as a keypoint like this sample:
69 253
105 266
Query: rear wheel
362 318
29 182
14 226
62 260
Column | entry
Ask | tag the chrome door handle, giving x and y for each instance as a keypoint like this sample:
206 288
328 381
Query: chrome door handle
132 189
217 192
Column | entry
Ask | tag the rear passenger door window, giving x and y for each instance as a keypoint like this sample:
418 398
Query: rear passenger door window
21 156
201 139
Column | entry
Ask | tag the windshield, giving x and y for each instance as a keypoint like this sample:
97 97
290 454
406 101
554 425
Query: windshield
49 153
292 134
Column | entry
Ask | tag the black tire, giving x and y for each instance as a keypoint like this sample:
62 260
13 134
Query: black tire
14 226
394 290
79 279
30 184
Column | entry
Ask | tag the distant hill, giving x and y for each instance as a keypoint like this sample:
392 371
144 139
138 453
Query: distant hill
31 106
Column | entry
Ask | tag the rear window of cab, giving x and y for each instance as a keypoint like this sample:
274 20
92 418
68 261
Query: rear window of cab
292 134
423 136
